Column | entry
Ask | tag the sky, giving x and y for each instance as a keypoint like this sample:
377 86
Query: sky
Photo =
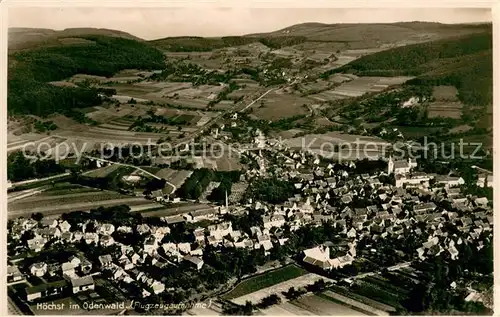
154 23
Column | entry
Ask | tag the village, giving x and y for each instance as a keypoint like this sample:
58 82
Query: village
363 209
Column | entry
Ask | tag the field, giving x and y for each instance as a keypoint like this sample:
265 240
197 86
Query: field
264 280
176 93
341 301
445 93
445 109
103 171
381 290
225 162
66 197
248 87
279 104
175 177
224 105
28 141
112 128
355 304
358 86
177 209
322 307
351 146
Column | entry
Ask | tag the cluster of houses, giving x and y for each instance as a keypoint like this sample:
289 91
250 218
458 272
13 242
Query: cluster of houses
327 193
357 205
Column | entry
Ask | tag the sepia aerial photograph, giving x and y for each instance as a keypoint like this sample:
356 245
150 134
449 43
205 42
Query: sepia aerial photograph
249 161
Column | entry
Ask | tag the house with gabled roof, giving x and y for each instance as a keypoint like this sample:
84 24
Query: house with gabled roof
105 260
82 284
39 269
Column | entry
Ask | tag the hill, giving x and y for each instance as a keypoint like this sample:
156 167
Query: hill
30 71
201 44
198 44
464 62
352 35
29 38
366 35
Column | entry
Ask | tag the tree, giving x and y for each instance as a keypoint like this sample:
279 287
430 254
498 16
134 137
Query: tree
37 216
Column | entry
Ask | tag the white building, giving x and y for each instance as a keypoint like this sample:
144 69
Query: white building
320 257
400 166
485 180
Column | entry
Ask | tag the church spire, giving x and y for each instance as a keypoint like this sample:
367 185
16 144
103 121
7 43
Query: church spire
227 203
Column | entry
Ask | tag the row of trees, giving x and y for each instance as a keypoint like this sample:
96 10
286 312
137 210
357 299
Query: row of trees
195 185
20 168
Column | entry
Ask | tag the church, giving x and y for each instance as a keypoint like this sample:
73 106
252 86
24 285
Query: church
400 167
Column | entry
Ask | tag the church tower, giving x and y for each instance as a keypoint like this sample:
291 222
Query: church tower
390 166
227 203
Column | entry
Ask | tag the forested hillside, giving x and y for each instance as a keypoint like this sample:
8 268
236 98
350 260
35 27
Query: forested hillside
31 70
464 62
202 44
